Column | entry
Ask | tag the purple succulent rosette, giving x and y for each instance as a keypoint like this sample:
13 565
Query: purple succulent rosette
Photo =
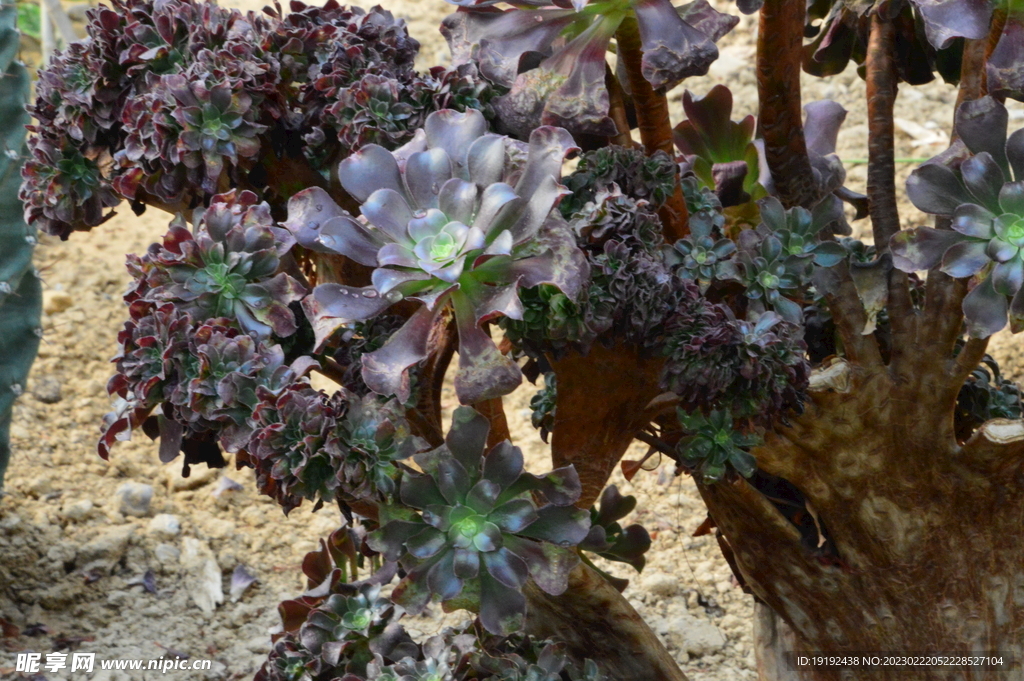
228 268
448 220
471 533
567 88
979 184
725 156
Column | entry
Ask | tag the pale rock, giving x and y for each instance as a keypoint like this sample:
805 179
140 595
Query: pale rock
78 511
9 522
198 476
204 578
164 525
167 554
134 499
259 644
40 486
660 584
55 302
108 547
46 389
723 586
695 636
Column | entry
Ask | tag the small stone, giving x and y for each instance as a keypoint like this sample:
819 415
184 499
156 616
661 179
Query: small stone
661 585
108 547
166 554
259 644
204 579
134 499
78 510
46 389
724 586
199 476
40 486
55 302
164 525
695 636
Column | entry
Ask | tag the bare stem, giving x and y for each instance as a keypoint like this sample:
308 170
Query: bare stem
779 57
655 125
617 110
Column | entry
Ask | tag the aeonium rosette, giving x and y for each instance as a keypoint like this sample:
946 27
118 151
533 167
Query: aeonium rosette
979 184
470 531
457 217
227 268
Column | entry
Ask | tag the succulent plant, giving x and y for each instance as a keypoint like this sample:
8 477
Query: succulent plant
638 176
979 184
700 256
308 445
63 186
712 445
720 152
608 538
361 338
227 269
443 227
438 664
476 534
753 370
567 88
532 661
771 277
986 395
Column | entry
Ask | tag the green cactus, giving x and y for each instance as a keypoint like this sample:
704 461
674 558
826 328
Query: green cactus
21 295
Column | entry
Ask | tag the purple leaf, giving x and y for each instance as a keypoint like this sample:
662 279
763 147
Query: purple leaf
549 565
467 438
1011 198
973 220
706 19
241 579
425 173
385 370
821 126
983 179
308 212
484 373
503 464
490 302
502 38
1008 276
387 210
935 188
506 567
454 132
346 236
502 610
441 578
466 564
426 542
513 516
457 199
1005 68
1015 154
946 20
984 310
922 248
371 168
486 160
965 259
330 306
563 525
672 49
981 124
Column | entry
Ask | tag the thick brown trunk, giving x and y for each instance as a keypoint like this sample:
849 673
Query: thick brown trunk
600 407
923 551
780 120
595 621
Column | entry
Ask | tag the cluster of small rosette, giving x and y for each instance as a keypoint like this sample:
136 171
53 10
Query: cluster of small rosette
170 102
